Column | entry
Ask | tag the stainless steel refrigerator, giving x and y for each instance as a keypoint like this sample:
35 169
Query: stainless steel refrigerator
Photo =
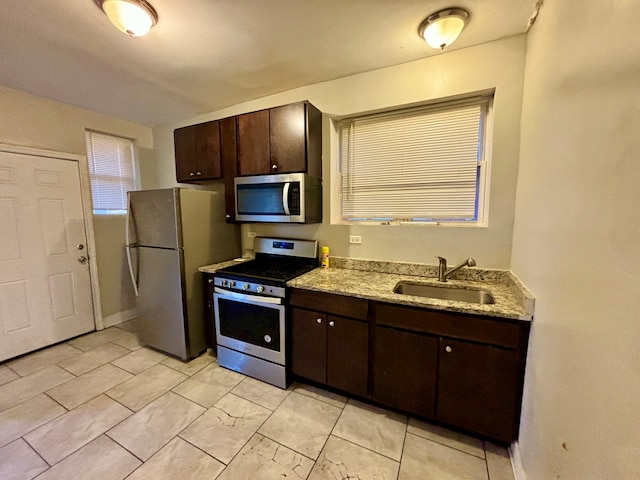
170 233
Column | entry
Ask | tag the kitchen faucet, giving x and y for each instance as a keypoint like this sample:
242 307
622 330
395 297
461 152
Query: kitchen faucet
443 273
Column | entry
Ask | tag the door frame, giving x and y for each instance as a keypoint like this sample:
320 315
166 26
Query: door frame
87 210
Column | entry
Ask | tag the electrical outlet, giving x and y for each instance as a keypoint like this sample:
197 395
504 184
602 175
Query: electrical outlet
357 239
251 234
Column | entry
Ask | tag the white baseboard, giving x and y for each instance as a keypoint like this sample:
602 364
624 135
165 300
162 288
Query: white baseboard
517 462
119 317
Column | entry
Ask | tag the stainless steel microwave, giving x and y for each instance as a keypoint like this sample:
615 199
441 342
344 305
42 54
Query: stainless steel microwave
286 198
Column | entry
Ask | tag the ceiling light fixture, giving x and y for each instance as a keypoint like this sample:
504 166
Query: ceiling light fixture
133 17
442 28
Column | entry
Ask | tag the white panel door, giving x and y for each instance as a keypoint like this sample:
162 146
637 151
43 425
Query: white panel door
45 286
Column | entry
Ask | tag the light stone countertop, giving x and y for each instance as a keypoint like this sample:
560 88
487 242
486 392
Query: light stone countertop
217 266
374 280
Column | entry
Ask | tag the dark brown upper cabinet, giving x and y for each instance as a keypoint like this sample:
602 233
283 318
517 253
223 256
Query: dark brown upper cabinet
198 153
283 139
229 157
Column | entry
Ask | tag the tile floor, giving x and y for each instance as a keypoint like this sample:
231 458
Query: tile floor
102 407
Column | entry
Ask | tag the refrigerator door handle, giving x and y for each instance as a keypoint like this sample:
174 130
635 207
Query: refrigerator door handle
128 246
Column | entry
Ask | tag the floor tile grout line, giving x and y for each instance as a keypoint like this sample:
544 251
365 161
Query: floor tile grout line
95 396
369 449
36 452
42 425
319 399
203 451
110 362
283 445
126 449
82 446
448 446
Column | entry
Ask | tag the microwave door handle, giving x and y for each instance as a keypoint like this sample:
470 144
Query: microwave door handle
285 198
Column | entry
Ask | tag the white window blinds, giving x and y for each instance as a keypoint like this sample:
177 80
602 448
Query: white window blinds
416 164
112 171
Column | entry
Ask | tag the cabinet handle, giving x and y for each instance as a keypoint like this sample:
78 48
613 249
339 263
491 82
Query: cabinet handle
191 174
448 349
274 166
227 216
319 320
198 173
331 323
210 280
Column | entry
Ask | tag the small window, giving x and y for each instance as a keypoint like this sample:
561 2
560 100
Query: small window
112 170
419 165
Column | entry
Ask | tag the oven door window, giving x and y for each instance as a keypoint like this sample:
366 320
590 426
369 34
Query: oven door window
249 323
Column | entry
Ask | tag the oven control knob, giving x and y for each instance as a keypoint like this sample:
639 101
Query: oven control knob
259 289
267 338
232 283
224 283
246 286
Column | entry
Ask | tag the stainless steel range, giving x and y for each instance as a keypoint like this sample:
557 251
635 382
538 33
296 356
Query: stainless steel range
250 307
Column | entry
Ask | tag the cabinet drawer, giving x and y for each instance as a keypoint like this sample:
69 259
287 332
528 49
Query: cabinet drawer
330 303
506 333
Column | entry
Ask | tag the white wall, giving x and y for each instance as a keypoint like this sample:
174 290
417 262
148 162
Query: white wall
577 238
498 65
41 123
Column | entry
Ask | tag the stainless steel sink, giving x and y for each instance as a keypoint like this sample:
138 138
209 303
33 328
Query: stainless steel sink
444 293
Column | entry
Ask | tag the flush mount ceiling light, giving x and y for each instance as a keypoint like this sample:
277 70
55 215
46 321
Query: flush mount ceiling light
133 17
442 28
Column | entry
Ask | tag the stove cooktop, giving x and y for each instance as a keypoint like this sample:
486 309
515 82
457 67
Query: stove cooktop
278 271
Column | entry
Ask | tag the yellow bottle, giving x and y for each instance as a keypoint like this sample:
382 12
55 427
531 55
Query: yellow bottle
324 262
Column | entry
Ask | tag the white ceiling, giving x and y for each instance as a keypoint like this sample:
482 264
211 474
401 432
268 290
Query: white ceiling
204 55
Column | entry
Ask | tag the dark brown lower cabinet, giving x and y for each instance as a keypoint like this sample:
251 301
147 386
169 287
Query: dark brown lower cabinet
330 349
404 370
479 388
462 370
309 344
347 354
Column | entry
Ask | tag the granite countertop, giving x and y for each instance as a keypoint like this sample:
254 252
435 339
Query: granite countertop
374 280
217 266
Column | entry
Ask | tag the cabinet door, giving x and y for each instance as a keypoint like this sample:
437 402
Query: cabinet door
309 344
288 134
207 150
184 144
253 143
229 159
209 314
404 370
348 354
479 388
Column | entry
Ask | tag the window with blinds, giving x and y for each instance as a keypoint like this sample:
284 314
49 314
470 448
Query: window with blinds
415 165
112 171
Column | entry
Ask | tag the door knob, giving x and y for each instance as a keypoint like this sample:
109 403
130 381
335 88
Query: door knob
82 259
448 349
331 323
80 246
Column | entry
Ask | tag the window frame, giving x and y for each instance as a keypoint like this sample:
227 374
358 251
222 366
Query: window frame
483 181
134 164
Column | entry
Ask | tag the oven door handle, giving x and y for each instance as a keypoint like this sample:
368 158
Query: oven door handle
247 298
